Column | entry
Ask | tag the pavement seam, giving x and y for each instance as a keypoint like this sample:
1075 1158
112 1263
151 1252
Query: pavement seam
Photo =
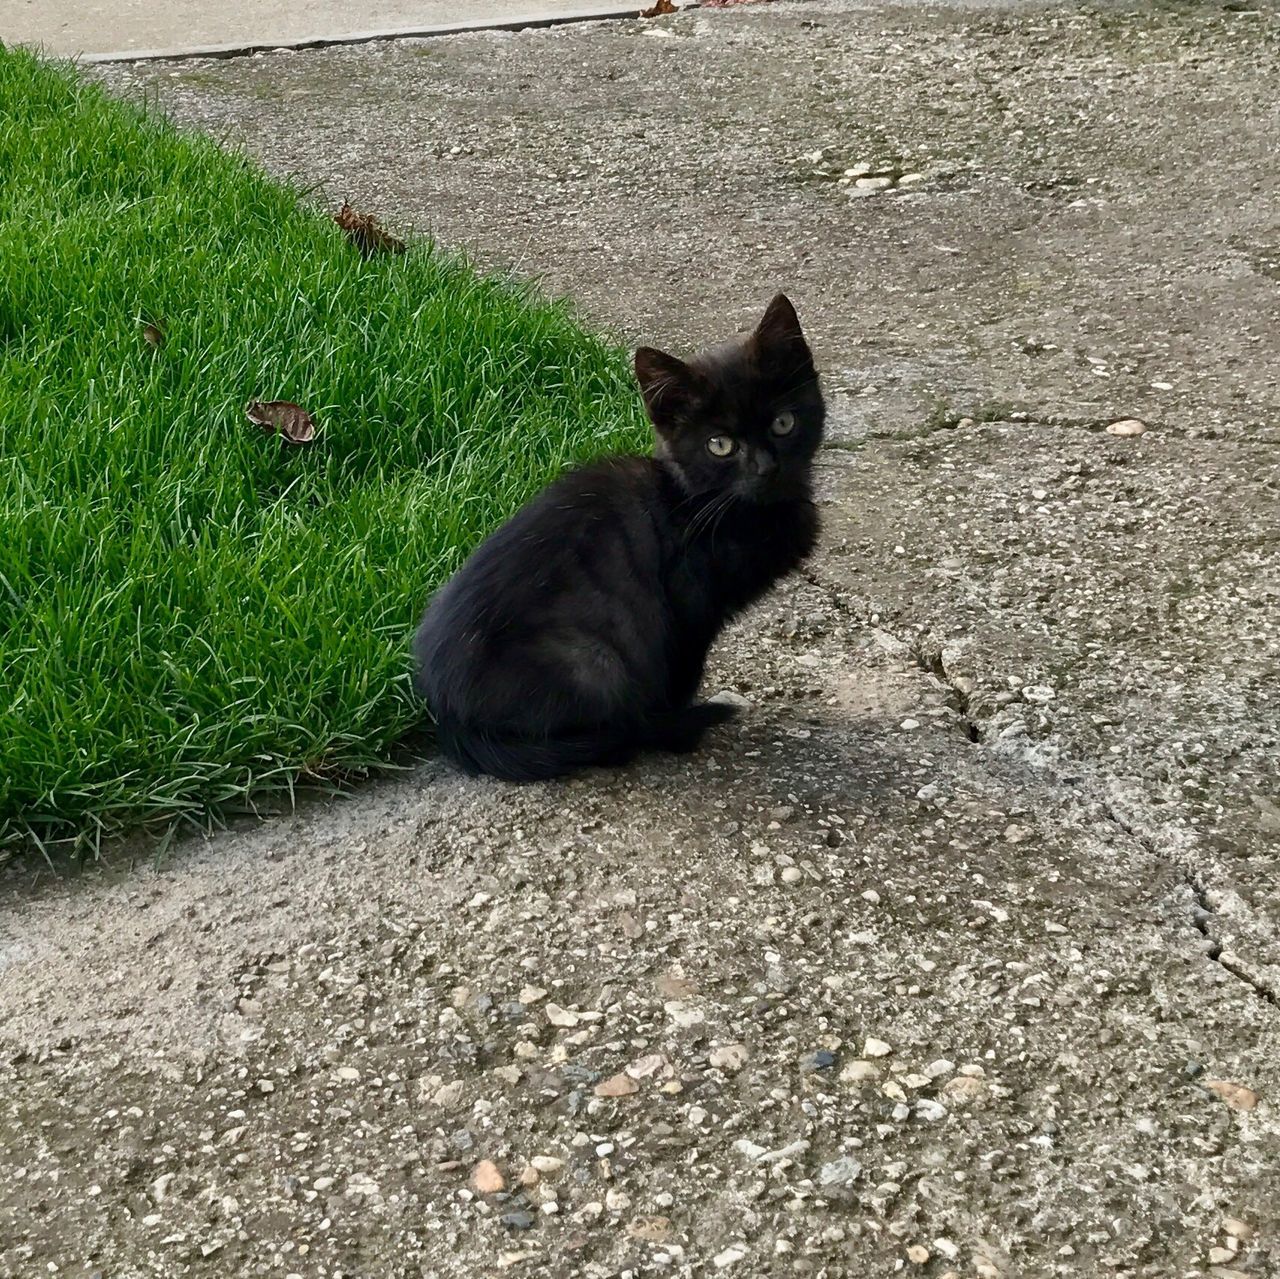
536 19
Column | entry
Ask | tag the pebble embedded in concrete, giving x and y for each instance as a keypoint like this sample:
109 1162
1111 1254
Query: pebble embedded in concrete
1129 426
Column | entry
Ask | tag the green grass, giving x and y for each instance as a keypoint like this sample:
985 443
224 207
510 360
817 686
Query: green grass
193 614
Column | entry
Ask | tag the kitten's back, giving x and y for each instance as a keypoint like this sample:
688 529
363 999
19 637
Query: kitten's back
556 616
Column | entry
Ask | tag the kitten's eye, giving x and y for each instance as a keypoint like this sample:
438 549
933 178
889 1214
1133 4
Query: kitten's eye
784 423
721 446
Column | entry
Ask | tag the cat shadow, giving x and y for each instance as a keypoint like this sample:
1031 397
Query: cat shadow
863 764
773 758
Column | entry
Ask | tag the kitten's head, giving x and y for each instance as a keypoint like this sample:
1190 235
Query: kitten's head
746 417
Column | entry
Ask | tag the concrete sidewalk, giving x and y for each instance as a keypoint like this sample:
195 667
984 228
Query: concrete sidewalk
958 956
104 30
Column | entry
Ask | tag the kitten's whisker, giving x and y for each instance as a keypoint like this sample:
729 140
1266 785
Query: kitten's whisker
680 505
704 514
713 511
691 529
724 510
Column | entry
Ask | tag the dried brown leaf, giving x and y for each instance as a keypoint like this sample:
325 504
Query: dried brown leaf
292 421
363 231
659 10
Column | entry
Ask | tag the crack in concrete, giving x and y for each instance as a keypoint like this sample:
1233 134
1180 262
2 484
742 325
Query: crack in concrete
924 657
928 659
1202 912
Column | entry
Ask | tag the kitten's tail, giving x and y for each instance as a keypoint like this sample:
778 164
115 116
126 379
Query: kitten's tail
522 759
681 731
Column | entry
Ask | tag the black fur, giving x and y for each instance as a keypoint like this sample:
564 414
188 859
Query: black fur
577 633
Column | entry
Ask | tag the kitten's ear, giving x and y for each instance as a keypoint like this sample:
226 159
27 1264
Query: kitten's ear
671 389
780 322
779 340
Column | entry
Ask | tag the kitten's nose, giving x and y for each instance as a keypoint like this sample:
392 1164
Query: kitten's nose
763 462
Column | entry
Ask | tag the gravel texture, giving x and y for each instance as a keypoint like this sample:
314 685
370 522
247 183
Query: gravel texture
957 955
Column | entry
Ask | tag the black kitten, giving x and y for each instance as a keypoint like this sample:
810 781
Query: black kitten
576 634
